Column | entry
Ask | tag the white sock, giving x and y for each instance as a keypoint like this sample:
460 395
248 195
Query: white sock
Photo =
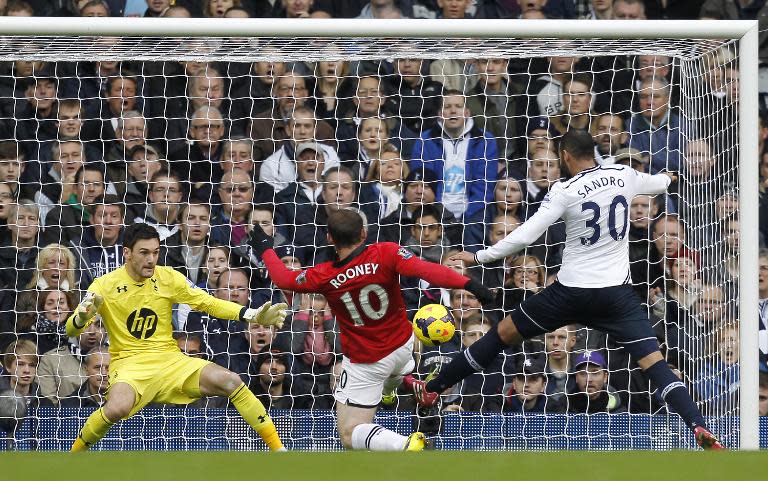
375 438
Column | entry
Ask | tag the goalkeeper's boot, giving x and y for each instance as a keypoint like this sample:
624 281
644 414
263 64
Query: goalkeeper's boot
415 442
419 389
706 439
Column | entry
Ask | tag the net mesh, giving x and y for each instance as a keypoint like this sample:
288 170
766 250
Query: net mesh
228 116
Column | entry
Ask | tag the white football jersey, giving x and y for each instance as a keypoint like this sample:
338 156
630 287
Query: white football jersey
595 207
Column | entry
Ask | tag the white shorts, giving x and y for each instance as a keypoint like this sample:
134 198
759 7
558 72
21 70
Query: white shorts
361 385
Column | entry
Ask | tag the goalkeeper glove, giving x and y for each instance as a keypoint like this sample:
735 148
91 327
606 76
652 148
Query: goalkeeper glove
259 241
483 294
88 308
267 315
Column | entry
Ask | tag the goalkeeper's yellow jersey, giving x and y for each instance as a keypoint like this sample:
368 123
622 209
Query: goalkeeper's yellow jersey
137 315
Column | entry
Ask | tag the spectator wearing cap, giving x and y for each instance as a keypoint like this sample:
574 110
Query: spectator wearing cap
495 104
280 168
299 200
592 392
631 158
610 137
527 392
420 190
464 158
270 379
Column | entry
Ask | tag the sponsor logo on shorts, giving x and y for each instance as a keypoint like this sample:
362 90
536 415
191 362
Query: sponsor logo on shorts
142 323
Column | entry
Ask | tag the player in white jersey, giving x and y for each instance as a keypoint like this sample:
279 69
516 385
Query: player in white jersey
593 286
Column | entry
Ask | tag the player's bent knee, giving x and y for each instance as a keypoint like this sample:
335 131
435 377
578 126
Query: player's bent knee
115 410
649 360
346 436
508 331
231 381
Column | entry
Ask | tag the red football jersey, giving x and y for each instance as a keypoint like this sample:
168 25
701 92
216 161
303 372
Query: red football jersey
364 294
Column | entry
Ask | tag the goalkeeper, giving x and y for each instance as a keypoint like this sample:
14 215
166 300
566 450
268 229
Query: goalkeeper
135 302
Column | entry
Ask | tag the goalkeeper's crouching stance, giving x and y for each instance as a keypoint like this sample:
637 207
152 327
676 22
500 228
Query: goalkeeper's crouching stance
135 304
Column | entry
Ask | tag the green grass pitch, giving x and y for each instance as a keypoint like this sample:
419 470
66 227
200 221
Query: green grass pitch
364 466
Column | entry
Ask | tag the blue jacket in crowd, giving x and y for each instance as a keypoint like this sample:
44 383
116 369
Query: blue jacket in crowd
481 166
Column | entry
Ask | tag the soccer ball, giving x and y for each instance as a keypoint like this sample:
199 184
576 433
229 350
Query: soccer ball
434 325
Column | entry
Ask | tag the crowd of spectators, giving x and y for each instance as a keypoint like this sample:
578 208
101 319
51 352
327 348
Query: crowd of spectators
440 156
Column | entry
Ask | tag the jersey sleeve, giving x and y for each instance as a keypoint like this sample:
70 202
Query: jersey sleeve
651 184
408 264
198 299
74 331
284 278
552 208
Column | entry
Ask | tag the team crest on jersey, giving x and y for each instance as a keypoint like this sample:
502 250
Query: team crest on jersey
301 278
404 253
142 323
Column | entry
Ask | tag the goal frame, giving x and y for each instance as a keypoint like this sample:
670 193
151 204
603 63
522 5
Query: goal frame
744 31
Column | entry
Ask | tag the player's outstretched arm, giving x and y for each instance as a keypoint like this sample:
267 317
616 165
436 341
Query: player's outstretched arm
656 183
267 315
84 313
284 278
552 208
408 264
281 276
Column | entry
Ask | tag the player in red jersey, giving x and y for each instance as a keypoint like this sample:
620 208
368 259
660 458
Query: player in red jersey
364 293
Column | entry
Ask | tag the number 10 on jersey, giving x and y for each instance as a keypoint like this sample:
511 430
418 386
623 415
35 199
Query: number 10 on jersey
364 304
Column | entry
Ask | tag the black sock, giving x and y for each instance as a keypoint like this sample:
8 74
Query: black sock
674 393
479 356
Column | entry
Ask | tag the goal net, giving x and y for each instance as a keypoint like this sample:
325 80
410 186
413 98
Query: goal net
445 144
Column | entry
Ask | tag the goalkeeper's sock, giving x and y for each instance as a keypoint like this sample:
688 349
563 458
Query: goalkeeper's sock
251 409
674 393
376 438
95 428
479 356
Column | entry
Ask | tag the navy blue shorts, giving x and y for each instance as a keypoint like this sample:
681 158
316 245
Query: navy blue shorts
615 310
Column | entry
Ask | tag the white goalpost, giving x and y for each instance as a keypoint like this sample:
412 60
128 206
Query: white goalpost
695 49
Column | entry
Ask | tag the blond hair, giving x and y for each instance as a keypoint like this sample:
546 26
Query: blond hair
22 347
46 254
